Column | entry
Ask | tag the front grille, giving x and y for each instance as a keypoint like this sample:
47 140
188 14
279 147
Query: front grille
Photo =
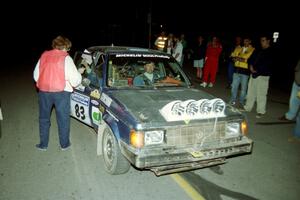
188 135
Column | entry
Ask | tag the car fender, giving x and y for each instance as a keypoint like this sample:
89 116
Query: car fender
110 122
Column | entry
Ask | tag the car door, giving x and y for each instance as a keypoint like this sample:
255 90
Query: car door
85 98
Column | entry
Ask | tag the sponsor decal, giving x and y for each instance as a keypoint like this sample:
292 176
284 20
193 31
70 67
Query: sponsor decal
128 55
95 94
106 99
192 109
82 99
96 115
80 111
155 56
101 108
94 102
142 55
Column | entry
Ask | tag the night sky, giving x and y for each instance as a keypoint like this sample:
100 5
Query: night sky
28 30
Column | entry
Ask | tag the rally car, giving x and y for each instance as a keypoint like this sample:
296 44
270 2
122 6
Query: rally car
166 126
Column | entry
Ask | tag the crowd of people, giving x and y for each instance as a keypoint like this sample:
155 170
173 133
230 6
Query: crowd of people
249 69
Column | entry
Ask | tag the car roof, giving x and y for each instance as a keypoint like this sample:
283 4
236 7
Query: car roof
124 49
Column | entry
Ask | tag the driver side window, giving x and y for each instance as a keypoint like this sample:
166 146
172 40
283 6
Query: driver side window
92 75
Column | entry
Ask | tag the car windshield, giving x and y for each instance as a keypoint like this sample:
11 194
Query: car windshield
144 70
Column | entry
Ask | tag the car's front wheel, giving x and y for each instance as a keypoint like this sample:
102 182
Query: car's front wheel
114 161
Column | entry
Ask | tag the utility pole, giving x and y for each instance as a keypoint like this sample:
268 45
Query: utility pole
149 20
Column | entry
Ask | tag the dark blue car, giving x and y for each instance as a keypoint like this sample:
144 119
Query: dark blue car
163 123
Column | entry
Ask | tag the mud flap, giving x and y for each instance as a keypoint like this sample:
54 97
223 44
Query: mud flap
1 117
101 128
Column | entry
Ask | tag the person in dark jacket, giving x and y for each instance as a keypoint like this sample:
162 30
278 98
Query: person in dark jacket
199 55
260 65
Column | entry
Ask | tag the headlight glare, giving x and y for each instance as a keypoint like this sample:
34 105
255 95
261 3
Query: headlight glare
136 139
244 127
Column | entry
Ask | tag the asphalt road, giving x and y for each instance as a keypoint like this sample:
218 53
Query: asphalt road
270 172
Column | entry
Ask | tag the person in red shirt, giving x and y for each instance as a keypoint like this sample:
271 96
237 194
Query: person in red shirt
55 75
213 51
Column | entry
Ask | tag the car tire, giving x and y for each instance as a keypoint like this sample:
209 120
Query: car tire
114 161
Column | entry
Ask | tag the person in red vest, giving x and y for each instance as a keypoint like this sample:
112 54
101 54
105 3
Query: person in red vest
213 52
55 75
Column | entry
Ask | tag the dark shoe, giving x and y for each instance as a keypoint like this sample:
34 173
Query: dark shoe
65 148
39 147
243 109
232 103
283 118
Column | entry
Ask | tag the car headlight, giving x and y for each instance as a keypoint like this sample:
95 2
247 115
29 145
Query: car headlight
233 129
139 139
154 137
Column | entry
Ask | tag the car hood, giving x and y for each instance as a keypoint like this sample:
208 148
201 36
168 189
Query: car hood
146 105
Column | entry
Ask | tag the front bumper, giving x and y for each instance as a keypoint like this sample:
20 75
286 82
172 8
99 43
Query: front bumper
164 160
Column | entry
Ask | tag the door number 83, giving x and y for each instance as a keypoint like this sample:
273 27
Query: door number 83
79 112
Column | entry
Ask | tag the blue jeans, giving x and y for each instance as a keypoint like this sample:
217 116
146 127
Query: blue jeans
230 71
61 101
297 127
237 80
294 103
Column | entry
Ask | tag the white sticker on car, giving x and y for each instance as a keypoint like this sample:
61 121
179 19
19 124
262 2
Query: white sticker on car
94 102
192 109
106 99
80 107
79 98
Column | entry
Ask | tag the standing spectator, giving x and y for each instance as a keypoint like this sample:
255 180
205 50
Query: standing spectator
160 41
184 47
230 70
177 51
296 132
169 44
294 100
260 65
213 52
199 55
55 75
241 72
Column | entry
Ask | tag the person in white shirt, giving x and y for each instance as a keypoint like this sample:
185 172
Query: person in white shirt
177 51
